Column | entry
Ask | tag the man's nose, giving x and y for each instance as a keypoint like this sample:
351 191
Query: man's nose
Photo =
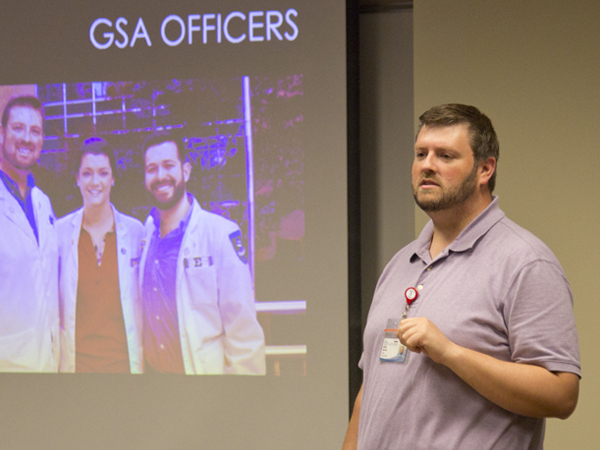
429 163
27 137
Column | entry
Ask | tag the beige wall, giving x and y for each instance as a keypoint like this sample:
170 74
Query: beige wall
534 68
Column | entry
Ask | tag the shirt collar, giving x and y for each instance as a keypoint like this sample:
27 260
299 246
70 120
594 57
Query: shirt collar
467 237
30 181
13 186
155 214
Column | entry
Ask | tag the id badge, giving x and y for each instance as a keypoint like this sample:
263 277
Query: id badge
391 348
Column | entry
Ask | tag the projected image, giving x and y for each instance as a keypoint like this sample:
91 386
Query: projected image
149 223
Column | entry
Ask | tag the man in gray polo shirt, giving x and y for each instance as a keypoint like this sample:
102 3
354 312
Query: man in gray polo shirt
488 347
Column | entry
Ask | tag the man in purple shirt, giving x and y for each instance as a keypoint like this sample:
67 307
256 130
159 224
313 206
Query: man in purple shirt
199 311
489 334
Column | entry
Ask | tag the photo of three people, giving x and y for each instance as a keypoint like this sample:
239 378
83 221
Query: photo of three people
95 290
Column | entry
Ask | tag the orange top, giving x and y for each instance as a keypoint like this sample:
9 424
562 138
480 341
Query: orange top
100 338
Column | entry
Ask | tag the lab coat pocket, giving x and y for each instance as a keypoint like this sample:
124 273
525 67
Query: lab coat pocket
211 358
20 352
199 302
201 285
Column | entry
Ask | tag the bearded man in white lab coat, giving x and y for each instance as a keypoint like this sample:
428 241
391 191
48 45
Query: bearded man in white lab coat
199 311
29 320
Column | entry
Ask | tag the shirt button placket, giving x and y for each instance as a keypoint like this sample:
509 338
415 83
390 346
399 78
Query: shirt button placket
423 278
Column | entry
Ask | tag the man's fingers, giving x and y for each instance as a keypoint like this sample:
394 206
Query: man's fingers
411 339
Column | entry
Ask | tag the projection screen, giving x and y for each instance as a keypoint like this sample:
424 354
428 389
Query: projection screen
252 303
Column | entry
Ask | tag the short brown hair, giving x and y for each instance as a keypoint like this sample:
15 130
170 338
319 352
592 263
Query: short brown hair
23 100
162 136
483 139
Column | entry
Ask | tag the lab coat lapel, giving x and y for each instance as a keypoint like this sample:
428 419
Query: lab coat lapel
11 209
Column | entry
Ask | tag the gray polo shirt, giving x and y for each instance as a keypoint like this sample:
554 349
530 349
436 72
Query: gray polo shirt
498 290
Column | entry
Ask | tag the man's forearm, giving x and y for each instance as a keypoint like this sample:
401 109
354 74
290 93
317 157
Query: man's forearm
351 440
523 389
520 388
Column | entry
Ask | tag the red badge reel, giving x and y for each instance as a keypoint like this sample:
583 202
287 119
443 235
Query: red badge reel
411 294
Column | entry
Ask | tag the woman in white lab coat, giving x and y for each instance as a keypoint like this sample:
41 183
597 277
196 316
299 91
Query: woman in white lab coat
99 248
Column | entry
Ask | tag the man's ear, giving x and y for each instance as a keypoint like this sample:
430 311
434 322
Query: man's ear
187 171
487 169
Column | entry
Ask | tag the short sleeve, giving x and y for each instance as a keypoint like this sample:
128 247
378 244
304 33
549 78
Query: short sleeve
540 319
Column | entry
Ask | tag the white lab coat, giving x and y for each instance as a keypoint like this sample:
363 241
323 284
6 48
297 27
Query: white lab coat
28 286
215 300
129 232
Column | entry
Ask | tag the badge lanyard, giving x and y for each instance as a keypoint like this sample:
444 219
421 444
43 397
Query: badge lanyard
391 349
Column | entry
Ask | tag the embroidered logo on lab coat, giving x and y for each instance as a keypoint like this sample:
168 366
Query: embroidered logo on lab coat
238 245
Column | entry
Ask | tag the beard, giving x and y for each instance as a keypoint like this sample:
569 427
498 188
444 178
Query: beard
170 203
14 161
449 198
